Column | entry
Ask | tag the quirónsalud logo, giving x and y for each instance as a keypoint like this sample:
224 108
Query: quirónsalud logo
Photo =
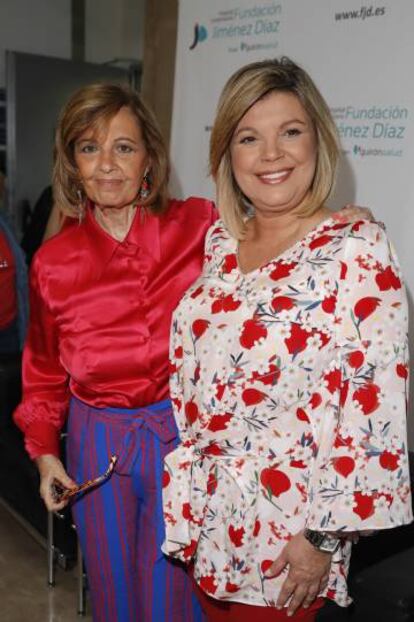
200 34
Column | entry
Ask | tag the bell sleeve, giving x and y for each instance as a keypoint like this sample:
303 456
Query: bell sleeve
42 411
184 485
360 476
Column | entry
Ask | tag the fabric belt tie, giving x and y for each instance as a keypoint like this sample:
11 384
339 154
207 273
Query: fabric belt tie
160 423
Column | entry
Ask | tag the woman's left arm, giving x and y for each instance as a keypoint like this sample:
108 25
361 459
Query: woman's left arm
360 479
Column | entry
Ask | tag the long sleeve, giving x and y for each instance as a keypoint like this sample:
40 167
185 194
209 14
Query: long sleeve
42 411
360 477
184 483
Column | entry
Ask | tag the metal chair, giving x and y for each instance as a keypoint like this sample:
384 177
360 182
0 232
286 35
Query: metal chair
52 557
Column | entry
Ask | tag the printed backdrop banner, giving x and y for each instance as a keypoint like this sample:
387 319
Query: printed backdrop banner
361 59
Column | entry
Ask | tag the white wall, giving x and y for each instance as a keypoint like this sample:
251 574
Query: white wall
34 26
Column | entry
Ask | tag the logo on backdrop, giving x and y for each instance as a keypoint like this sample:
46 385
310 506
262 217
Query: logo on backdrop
372 131
243 29
200 35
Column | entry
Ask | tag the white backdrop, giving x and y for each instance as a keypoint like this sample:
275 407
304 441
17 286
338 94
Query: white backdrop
361 57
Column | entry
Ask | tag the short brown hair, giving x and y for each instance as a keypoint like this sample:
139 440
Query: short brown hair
244 88
93 106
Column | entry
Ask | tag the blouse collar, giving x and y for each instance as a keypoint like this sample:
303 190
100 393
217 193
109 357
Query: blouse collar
144 234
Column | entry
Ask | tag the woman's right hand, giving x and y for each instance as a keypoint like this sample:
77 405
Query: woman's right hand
52 473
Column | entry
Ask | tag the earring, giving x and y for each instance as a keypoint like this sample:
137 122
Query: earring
81 207
145 187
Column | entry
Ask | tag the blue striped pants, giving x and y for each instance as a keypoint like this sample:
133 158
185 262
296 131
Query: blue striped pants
120 523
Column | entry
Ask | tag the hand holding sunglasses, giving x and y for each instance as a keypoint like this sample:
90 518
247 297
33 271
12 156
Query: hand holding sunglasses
63 494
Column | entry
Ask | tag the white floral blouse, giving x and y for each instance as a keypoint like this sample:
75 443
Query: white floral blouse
289 387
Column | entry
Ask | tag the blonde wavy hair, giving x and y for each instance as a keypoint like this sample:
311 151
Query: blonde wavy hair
244 88
93 107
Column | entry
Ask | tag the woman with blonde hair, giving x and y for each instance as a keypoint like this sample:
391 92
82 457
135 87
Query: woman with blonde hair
102 294
289 367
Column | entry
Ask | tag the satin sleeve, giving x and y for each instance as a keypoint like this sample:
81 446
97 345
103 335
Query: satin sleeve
361 476
42 411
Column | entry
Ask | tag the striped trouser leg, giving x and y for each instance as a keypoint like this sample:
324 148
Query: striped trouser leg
120 523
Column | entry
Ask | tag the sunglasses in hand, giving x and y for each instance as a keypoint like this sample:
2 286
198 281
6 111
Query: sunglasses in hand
62 494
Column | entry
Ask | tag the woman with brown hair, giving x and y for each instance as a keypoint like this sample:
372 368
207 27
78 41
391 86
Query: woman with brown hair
289 367
102 294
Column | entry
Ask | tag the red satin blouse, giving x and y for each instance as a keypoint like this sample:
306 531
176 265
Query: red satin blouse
100 315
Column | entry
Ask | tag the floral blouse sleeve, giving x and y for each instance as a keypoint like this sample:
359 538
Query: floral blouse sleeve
360 480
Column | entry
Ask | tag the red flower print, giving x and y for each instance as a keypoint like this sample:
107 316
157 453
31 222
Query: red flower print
389 498
188 515
301 415
191 412
321 241
251 397
217 306
213 450
334 379
208 584
356 359
297 340
226 304
253 330
197 292
367 397
282 270
343 392
315 400
329 304
364 505
176 402
344 270
344 465
298 464
282 303
211 483
229 263
178 353
387 279
402 371
229 304
270 377
165 479
199 328
196 377
236 535
220 390
323 337
257 527
231 587
219 422
343 442
190 549
365 307
389 461
265 565
275 481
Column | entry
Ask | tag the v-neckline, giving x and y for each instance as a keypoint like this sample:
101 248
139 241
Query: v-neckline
281 255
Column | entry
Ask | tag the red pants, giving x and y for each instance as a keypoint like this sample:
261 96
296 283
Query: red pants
223 611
